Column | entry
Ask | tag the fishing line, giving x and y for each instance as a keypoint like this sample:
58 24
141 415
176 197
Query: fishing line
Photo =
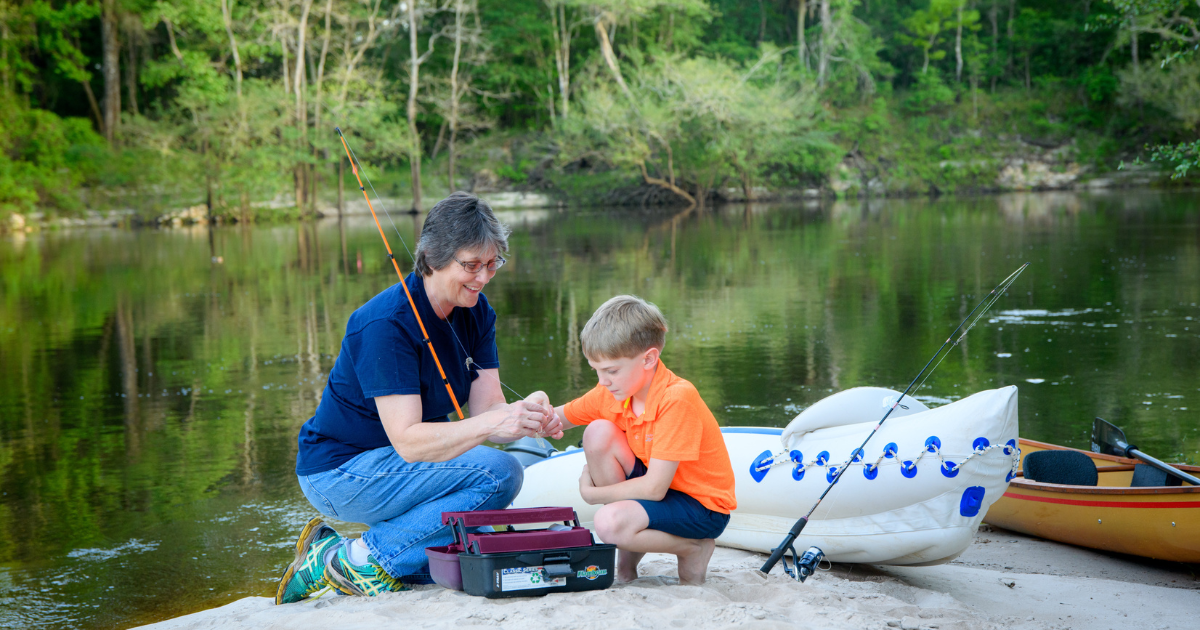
955 337
470 364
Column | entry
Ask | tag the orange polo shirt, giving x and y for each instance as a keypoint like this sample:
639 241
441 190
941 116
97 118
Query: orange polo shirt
676 426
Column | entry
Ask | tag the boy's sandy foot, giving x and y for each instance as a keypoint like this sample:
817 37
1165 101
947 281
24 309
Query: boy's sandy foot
627 565
693 566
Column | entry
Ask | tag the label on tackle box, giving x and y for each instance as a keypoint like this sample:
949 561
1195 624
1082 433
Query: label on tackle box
524 578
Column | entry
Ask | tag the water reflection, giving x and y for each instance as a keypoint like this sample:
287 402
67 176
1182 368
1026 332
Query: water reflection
152 382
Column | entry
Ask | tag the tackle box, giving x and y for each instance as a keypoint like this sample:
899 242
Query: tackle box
525 563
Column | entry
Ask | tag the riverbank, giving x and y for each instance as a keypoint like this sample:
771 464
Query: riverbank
521 202
1004 580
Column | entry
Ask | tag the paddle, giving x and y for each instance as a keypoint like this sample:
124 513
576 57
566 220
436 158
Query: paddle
1110 440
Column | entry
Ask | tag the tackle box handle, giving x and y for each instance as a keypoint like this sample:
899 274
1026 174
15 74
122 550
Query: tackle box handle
480 518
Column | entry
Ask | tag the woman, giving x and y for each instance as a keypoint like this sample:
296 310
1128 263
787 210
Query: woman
380 449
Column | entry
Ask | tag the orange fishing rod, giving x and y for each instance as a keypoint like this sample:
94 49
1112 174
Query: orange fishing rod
396 265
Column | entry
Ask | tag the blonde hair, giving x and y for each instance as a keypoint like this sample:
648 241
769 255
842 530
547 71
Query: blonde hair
623 327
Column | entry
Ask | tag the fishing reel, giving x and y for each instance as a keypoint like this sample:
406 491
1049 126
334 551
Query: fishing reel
803 565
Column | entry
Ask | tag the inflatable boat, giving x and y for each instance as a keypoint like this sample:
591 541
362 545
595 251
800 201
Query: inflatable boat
913 496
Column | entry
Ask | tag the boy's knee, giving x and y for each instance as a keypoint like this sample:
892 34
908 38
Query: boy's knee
606 525
612 524
599 435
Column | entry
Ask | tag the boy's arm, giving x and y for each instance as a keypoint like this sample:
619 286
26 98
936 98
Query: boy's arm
652 486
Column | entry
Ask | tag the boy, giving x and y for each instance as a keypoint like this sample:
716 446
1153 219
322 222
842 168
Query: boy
655 455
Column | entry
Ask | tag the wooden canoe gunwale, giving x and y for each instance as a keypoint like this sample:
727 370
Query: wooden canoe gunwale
1122 464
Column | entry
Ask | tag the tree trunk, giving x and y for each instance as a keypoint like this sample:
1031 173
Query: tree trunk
321 66
762 22
453 122
670 39
994 14
562 55
5 80
958 58
131 76
298 87
87 89
654 181
283 50
611 60
1133 45
826 42
801 45
1012 19
414 78
301 171
341 185
227 14
111 68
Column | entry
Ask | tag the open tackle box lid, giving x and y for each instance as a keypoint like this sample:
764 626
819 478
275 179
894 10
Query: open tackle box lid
510 539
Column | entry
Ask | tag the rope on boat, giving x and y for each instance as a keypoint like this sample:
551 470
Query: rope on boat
948 463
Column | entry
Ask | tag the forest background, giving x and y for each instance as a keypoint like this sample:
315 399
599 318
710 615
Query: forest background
148 105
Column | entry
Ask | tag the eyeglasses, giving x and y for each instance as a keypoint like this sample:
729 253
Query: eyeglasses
474 266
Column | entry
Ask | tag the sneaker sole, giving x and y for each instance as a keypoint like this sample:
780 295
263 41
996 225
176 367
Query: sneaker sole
307 535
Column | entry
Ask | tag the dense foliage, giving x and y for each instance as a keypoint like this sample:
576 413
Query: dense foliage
145 103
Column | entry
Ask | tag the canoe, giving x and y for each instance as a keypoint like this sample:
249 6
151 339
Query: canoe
915 497
1162 523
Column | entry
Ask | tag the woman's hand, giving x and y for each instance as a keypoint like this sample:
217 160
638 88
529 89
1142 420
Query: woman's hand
551 426
520 419
587 487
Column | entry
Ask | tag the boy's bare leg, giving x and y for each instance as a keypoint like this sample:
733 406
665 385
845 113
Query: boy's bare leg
627 565
624 524
609 458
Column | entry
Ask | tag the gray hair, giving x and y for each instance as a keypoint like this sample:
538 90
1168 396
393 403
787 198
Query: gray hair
460 221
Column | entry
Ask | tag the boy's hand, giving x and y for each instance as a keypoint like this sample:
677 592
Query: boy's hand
587 487
551 425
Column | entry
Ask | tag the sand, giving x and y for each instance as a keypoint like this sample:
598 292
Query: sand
1004 580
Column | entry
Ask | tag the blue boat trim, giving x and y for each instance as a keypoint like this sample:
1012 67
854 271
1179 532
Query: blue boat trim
971 501
763 458
753 430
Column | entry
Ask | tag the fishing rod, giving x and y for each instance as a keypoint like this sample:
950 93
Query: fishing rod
806 564
470 363
399 274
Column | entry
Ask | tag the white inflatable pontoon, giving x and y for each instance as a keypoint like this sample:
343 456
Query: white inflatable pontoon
914 497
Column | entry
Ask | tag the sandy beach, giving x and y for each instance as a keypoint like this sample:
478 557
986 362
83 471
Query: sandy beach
1004 580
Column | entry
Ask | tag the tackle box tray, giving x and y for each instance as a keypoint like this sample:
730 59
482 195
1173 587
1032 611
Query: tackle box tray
527 563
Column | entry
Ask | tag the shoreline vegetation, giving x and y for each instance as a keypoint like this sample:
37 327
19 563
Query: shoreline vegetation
150 109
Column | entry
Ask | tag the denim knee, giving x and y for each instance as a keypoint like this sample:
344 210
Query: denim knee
507 475
512 476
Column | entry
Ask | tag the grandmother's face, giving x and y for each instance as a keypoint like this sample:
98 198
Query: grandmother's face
456 286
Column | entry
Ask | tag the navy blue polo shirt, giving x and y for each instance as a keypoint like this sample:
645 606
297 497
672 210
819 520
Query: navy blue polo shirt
383 354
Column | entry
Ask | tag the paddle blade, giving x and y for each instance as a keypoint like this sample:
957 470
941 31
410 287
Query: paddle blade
1109 439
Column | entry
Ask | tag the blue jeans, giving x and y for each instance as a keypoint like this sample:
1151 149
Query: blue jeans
402 503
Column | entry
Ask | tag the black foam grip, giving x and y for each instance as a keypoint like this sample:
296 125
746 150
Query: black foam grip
785 545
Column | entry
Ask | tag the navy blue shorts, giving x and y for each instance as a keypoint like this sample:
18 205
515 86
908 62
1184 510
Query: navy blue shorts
679 513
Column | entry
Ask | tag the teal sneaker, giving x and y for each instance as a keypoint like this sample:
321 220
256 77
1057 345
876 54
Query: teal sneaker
306 574
352 579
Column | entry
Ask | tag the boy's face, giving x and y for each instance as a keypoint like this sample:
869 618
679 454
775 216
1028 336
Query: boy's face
625 377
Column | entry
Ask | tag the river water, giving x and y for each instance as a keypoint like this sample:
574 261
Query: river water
152 382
